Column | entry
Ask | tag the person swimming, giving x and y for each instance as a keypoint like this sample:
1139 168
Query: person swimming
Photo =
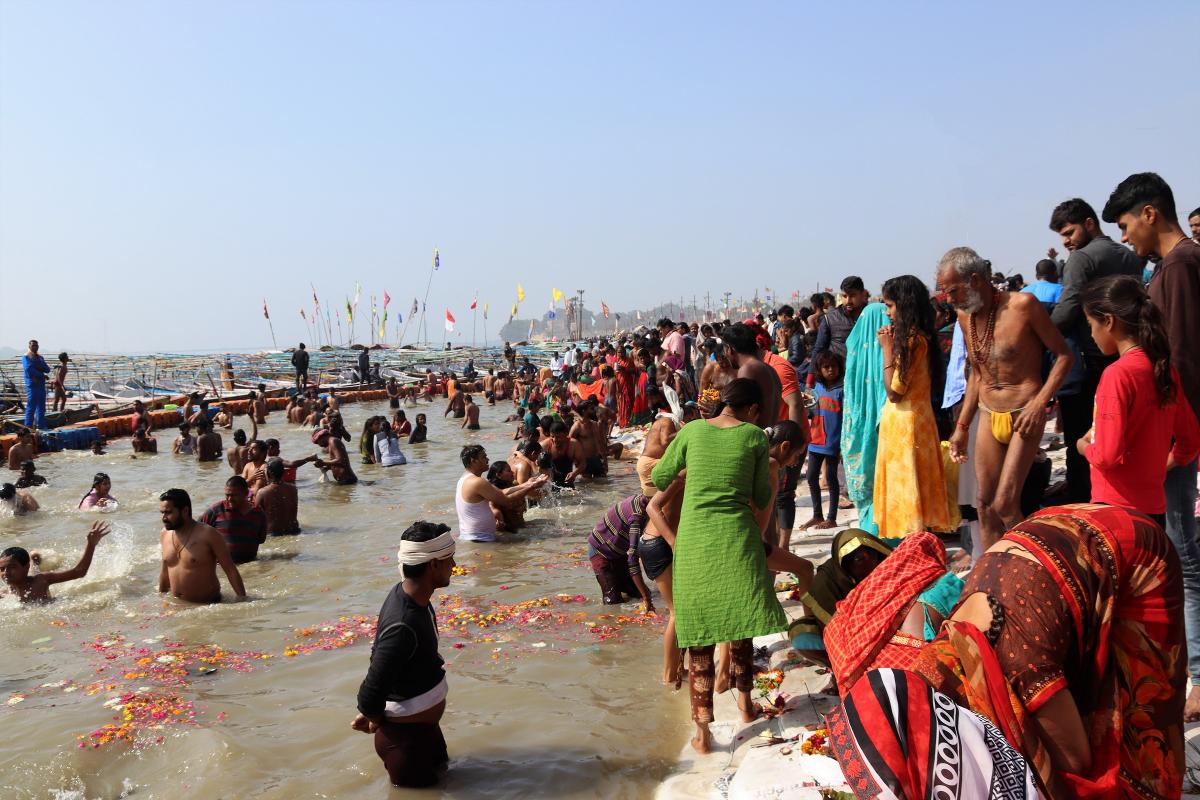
15 561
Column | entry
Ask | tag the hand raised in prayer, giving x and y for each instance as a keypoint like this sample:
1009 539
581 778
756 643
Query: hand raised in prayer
1031 421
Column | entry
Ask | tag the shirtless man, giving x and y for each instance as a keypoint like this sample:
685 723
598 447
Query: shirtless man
743 353
524 460
586 431
258 406
60 383
715 375
489 386
14 569
471 420
661 432
200 413
336 464
223 419
191 552
255 469
208 442
20 502
455 405
297 410
1006 334
22 451
141 417
474 496
236 455
143 442
278 500
566 456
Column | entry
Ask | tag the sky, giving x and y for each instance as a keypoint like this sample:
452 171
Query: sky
165 167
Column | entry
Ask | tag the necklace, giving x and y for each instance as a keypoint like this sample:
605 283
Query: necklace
981 349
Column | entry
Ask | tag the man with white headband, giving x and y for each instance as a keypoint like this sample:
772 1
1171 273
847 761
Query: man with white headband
403 697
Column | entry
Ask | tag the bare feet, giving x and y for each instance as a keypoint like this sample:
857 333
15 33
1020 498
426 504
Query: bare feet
824 525
702 741
749 709
1191 709
811 523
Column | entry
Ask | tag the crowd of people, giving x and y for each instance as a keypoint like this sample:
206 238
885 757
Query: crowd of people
1056 655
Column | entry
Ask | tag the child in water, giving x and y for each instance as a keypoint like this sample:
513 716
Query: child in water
14 569
418 434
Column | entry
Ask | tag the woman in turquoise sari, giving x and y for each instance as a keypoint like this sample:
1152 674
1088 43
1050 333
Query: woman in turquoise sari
864 396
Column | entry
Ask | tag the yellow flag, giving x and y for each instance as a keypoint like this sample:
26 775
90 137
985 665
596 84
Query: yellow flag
556 294
514 310
520 294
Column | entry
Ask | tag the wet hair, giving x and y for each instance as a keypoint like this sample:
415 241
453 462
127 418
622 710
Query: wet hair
545 461
1075 211
239 436
28 465
18 554
786 431
7 491
741 338
1046 270
1124 298
275 469
530 448
238 482
1136 191
914 317
470 453
177 498
494 471
741 393
421 531
827 358
97 479
852 283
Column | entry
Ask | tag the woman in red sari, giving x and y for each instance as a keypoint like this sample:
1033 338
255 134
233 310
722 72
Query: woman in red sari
1070 639
627 375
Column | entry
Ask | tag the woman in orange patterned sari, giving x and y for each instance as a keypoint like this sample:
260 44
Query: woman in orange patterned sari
1070 640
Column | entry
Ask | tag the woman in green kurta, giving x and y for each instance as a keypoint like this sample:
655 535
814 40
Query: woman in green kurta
722 590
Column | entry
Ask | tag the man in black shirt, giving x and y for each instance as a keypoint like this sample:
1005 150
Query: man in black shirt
403 697
300 362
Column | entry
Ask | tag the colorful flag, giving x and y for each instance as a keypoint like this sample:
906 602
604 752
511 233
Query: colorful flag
475 302
556 294
520 294
383 324
550 314
514 311
449 320
604 309
316 302
437 259
265 313
387 298
530 334
349 311
485 310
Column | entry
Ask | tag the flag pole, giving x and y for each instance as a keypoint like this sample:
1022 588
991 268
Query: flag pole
428 283
474 315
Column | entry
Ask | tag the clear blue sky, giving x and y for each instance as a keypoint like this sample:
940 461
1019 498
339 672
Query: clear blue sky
164 166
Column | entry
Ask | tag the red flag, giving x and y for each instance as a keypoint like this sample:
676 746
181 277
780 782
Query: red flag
449 320
604 308
387 298
474 302
265 314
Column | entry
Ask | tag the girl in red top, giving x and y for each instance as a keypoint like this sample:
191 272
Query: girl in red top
1144 424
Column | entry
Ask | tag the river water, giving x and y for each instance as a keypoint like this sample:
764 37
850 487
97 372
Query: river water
558 696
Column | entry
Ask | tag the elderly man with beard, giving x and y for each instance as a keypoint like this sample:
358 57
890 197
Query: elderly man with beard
1006 334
